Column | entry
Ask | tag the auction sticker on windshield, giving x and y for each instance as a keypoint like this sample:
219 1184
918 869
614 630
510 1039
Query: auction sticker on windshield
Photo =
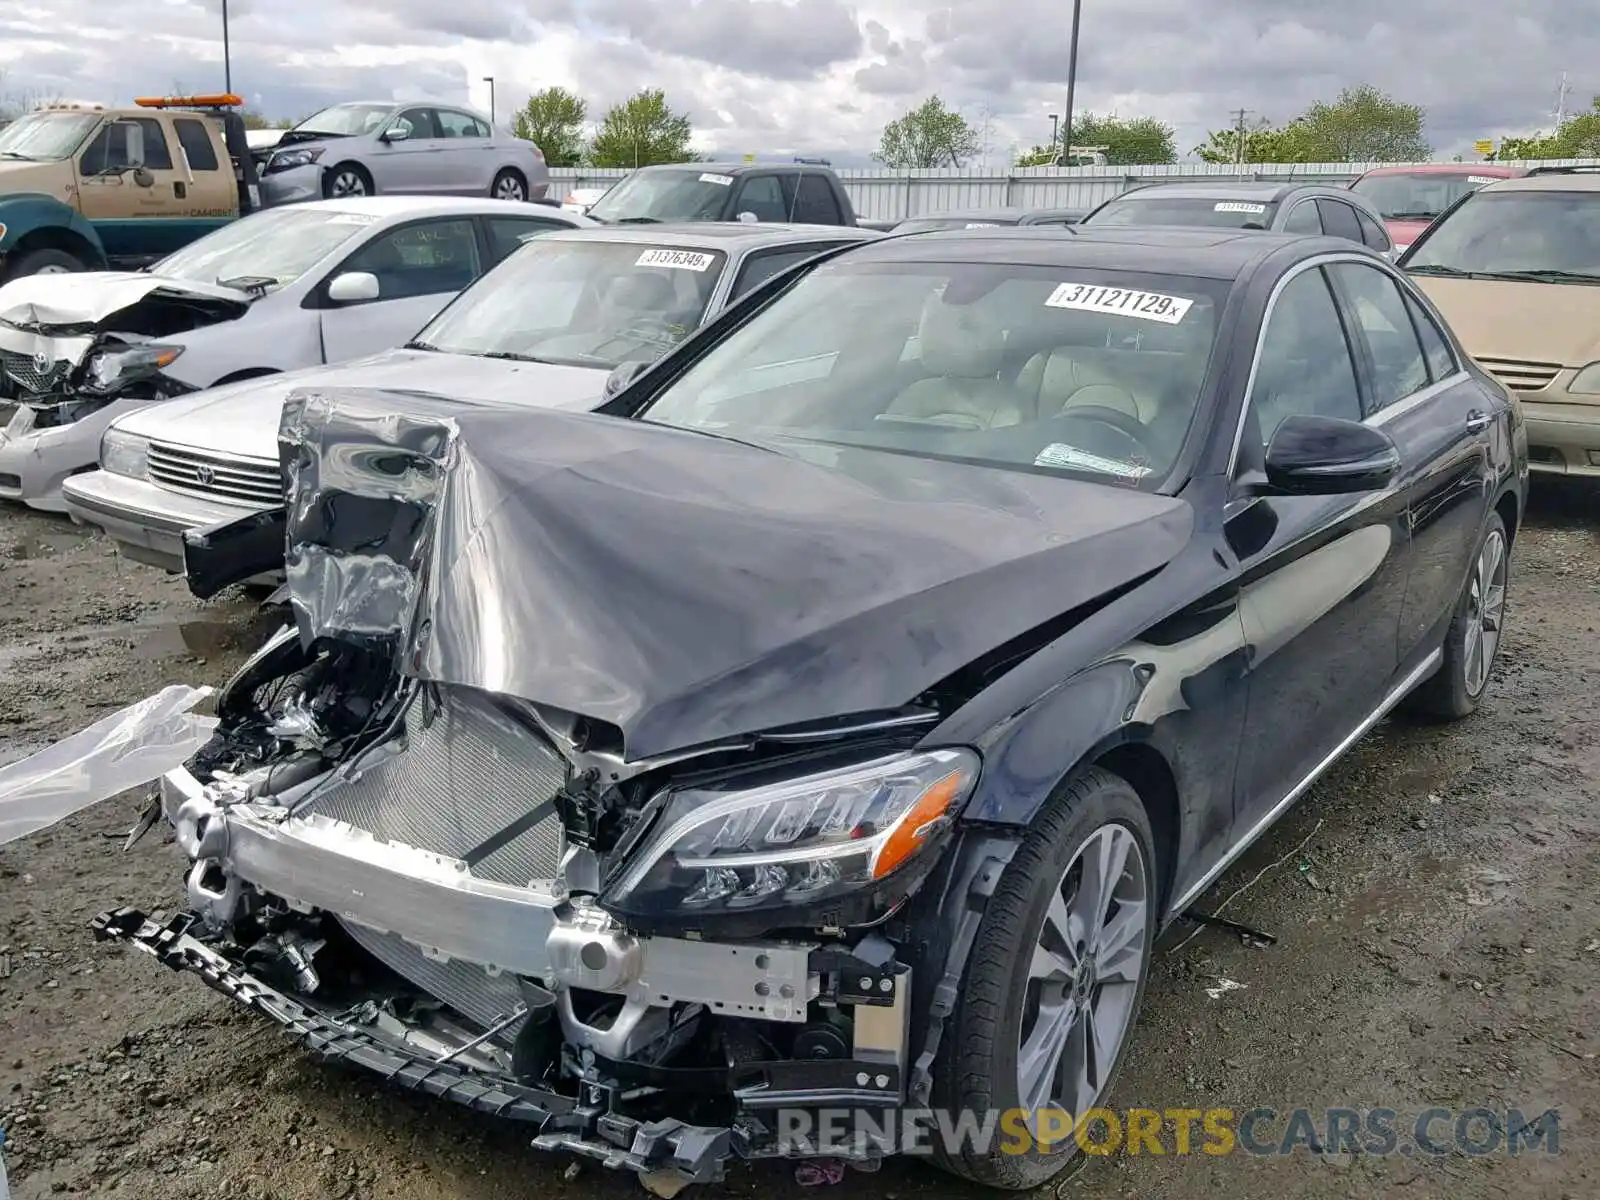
719 180
1059 454
1482 179
681 260
1122 302
1240 206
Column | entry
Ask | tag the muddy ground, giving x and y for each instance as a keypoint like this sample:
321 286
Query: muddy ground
1437 900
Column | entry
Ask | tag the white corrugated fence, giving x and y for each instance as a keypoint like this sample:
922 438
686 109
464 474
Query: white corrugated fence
894 195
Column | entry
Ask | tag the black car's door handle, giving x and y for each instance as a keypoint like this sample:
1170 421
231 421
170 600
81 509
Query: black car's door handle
1477 420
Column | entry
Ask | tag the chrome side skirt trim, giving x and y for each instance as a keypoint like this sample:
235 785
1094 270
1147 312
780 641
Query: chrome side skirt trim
1396 694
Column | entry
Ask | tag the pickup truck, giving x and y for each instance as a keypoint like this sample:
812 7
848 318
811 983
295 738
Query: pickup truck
802 193
84 187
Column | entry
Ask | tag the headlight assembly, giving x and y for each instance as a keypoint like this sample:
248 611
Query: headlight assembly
1587 381
799 842
124 454
111 370
288 160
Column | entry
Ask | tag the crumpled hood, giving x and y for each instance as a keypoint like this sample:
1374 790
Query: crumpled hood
682 587
47 303
242 418
1534 322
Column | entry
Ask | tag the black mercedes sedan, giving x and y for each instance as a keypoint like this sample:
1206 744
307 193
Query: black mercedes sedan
800 755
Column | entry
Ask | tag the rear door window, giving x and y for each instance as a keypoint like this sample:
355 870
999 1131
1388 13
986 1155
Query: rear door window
763 196
1303 218
195 139
1339 220
759 268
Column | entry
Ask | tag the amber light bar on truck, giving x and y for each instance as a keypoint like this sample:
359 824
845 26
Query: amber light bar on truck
220 100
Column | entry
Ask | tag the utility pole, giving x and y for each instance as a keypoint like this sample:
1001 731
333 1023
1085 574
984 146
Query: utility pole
1562 91
227 63
1239 136
1055 134
1072 81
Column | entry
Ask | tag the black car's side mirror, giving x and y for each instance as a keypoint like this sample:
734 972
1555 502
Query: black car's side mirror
1329 456
622 375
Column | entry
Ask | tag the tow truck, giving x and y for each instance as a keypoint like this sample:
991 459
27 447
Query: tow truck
88 187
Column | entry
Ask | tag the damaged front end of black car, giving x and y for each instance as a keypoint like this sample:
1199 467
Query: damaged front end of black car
597 787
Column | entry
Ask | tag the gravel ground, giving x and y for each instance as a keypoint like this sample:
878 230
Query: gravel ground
1436 899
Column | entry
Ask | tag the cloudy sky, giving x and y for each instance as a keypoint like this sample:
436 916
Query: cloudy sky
780 77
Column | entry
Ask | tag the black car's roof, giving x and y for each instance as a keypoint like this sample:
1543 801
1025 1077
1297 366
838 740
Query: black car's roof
713 235
1227 190
1204 253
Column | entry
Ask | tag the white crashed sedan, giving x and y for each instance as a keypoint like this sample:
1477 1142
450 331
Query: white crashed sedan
278 291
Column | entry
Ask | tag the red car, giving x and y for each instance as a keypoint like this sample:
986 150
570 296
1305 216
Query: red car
1409 198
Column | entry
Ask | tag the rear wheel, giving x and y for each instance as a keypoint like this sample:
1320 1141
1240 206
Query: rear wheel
1473 641
509 185
347 179
1055 981
47 260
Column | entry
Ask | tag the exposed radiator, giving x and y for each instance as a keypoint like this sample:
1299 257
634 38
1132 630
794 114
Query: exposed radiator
469 772
466 987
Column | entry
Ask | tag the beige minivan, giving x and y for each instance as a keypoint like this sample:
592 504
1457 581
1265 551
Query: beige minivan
1515 269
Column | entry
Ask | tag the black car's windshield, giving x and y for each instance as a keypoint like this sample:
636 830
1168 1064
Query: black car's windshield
1087 372
345 120
46 136
1416 195
1216 211
1518 233
926 224
582 303
665 194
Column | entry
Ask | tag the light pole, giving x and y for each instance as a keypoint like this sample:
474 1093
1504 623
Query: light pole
1055 119
1072 79
227 64
489 79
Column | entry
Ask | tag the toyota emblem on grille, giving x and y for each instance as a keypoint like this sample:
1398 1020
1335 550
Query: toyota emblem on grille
205 476
41 362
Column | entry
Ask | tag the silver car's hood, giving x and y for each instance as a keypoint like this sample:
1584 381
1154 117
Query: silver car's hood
241 419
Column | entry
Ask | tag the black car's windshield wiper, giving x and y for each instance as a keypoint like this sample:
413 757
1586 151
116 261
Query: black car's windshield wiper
416 345
1454 272
636 220
1540 276
1410 216
509 356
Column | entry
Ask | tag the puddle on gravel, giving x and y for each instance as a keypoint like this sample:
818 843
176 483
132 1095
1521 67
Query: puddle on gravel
232 628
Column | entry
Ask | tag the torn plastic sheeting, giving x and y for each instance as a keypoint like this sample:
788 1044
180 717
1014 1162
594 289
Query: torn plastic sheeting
141 743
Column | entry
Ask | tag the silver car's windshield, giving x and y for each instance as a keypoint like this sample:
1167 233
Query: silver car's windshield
46 136
582 303
1081 371
1212 211
346 120
271 248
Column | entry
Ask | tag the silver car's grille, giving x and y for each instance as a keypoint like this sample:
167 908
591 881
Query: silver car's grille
26 372
466 987
1521 375
250 480
470 778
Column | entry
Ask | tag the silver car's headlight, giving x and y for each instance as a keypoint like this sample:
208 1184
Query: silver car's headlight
1587 381
288 160
125 454
111 370
725 849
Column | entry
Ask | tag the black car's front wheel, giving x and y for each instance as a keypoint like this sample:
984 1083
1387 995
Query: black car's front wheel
1473 641
1053 985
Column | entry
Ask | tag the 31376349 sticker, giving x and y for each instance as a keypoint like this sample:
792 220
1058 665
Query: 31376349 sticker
1122 302
1239 206
680 260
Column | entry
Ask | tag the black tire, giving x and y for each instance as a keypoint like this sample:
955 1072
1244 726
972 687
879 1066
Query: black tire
509 185
1448 694
977 1065
331 179
45 259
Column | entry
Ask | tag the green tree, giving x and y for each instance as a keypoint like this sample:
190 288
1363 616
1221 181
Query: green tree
1362 125
1578 137
1133 141
553 120
930 135
640 132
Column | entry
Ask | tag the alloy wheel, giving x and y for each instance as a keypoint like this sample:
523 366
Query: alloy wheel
1083 979
509 187
1486 603
348 183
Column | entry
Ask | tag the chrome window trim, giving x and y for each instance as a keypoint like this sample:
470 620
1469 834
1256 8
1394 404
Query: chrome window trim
1369 259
